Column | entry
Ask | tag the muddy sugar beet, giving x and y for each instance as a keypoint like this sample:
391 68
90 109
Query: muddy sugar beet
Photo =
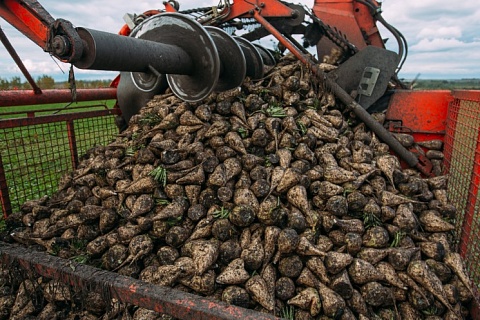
270 197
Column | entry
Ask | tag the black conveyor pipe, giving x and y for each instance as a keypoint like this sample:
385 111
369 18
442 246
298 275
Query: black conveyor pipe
112 52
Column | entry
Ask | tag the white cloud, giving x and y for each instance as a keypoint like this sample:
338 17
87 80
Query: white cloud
438 44
441 36
443 58
42 67
442 32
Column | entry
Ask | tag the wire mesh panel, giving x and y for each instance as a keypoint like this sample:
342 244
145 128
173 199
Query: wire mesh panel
34 157
36 152
462 160
93 132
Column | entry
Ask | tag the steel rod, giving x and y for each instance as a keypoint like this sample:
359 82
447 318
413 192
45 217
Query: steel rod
10 98
341 94
72 143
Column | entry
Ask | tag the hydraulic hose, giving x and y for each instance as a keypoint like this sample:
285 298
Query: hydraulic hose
402 42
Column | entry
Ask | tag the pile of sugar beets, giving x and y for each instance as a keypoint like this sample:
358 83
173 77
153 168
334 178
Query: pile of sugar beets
270 197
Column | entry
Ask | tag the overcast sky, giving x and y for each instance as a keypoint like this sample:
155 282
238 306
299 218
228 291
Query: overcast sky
443 37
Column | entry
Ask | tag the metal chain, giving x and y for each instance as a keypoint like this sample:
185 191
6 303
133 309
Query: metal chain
196 10
334 35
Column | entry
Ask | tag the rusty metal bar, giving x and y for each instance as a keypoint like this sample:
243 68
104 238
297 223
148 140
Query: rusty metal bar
30 113
18 61
22 122
12 98
4 194
470 95
72 143
127 290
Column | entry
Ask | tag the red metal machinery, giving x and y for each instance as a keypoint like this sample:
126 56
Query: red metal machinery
425 114
361 19
29 17
353 18
356 20
90 49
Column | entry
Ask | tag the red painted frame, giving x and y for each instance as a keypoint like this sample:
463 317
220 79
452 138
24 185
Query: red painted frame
29 17
352 18
10 98
422 113
267 8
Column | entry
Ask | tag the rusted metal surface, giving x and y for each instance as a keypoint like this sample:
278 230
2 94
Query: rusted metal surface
468 234
462 161
268 9
72 143
13 98
422 113
127 290
29 17
45 119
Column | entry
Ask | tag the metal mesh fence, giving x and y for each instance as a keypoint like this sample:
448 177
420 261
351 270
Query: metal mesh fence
36 152
462 160
94 131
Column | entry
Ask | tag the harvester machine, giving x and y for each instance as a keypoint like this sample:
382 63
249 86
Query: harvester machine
195 52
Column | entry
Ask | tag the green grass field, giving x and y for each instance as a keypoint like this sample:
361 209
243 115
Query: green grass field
35 157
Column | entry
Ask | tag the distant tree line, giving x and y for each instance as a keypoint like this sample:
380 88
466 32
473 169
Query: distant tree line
47 82
457 84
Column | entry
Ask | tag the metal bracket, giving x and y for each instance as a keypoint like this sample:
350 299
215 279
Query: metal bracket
368 81
350 74
130 20
424 164
64 42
